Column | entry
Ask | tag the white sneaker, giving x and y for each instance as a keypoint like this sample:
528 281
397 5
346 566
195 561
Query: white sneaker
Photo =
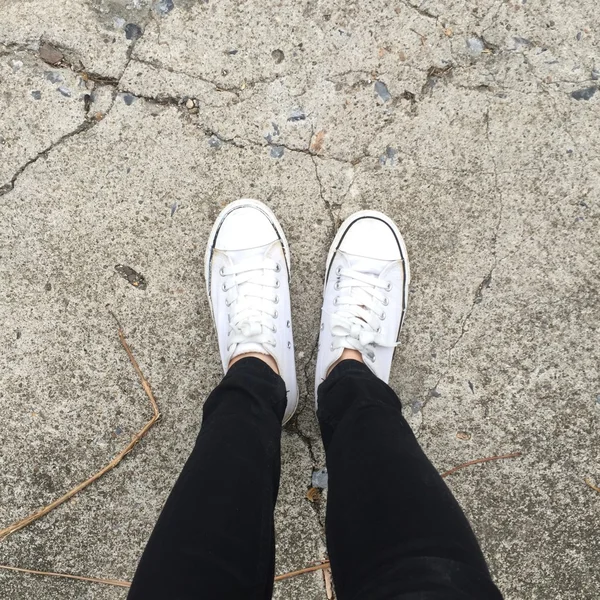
365 295
247 267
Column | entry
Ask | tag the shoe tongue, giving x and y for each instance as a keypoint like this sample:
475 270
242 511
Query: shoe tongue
237 256
370 266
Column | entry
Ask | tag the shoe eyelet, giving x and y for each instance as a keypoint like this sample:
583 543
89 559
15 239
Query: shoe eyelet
277 284
373 358
228 304
289 344
382 316
277 268
336 286
276 300
222 271
322 326
388 287
338 271
224 287
378 330
331 347
385 301
288 324
274 328
275 315
335 301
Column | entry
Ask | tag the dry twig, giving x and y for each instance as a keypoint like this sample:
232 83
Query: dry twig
478 461
594 487
116 582
111 465
328 583
324 565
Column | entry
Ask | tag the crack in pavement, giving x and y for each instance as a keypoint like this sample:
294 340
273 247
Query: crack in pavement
328 208
83 127
422 11
86 125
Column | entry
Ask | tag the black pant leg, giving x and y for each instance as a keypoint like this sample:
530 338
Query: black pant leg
215 536
394 530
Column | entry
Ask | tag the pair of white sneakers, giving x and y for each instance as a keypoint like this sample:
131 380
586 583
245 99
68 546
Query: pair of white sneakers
247 271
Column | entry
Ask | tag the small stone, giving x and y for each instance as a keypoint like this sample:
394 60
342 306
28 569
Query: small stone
136 279
278 56
129 99
90 85
475 46
189 104
595 74
53 76
16 65
48 287
416 406
174 207
194 111
224 72
133 32
164 6
521 41
297 115
389 157
50 54
463 435
277 151
214 142
65 91
37 95
119 22
320 479
433 393
382 91
584 94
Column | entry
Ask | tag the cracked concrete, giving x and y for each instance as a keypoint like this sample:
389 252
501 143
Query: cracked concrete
473 124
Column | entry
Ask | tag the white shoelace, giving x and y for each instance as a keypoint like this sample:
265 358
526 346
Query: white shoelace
359 312
250 295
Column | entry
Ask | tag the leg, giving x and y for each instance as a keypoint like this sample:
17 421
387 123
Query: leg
394 530
214 538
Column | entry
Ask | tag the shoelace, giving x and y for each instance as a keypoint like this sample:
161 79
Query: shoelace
249 287
356 322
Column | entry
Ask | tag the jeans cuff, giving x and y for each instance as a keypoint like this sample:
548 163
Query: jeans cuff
256 366
347 366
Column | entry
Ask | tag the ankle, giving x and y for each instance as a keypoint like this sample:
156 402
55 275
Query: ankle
266 358
347 354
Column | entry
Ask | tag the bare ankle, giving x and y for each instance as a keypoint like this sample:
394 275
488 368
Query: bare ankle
347 354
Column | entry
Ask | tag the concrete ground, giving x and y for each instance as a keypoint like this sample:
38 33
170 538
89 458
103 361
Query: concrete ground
126 126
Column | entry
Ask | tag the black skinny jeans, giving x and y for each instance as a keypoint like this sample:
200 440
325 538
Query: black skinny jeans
394 530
